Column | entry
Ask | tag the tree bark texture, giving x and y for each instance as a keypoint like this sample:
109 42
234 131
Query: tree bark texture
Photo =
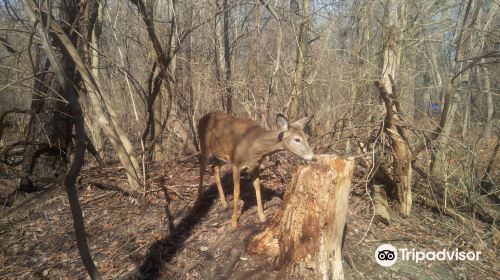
107 117
401 153
306 235
165 57
227 58
95 37
50 122
301 59
69 93
273 83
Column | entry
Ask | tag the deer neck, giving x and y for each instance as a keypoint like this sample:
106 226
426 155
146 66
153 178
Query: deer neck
268 143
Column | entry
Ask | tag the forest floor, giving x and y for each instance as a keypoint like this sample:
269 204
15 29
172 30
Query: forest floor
163 237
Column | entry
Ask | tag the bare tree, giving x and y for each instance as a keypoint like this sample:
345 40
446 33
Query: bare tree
300 80
227 57
49 129
69 93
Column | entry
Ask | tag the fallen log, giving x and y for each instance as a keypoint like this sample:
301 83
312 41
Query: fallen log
305 237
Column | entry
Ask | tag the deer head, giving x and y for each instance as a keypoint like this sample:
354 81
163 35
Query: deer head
293 137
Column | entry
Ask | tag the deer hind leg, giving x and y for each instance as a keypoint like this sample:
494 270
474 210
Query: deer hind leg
256 185
203 166
236 181
216 171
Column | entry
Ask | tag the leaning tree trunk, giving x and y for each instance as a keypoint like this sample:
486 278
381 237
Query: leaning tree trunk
107 117
49 129
306 235
95 36
70 94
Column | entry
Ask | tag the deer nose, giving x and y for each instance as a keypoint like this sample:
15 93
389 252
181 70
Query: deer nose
309 156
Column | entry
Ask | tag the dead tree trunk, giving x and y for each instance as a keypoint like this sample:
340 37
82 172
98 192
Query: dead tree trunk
50 122
306 235
401 152
69 93
49 128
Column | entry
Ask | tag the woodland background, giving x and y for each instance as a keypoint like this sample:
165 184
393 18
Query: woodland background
133 77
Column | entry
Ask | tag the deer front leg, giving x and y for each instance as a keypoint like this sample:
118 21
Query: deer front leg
236 181
256 185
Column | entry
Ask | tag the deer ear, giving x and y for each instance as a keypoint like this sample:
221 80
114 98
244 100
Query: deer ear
282 122
304 121
281 135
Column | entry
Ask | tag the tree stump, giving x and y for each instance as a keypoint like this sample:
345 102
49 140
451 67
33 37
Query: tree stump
305 237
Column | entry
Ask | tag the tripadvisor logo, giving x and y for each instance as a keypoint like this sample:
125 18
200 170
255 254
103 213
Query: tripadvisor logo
387 255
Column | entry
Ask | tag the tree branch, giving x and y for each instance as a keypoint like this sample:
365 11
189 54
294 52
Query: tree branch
76 165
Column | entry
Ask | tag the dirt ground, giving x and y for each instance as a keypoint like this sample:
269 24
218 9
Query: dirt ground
161 236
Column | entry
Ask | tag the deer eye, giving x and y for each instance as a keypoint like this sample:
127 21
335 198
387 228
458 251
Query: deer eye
297 140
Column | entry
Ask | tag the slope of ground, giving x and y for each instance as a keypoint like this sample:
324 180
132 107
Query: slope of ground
162 236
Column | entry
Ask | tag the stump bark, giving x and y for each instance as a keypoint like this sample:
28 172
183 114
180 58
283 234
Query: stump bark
305 237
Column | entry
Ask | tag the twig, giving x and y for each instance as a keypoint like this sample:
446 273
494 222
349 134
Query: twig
388 240
350 262
186 158
97 197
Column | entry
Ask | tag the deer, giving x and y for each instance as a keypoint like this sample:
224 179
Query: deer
245 144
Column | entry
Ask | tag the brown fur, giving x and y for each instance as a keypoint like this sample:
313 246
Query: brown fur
244 143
